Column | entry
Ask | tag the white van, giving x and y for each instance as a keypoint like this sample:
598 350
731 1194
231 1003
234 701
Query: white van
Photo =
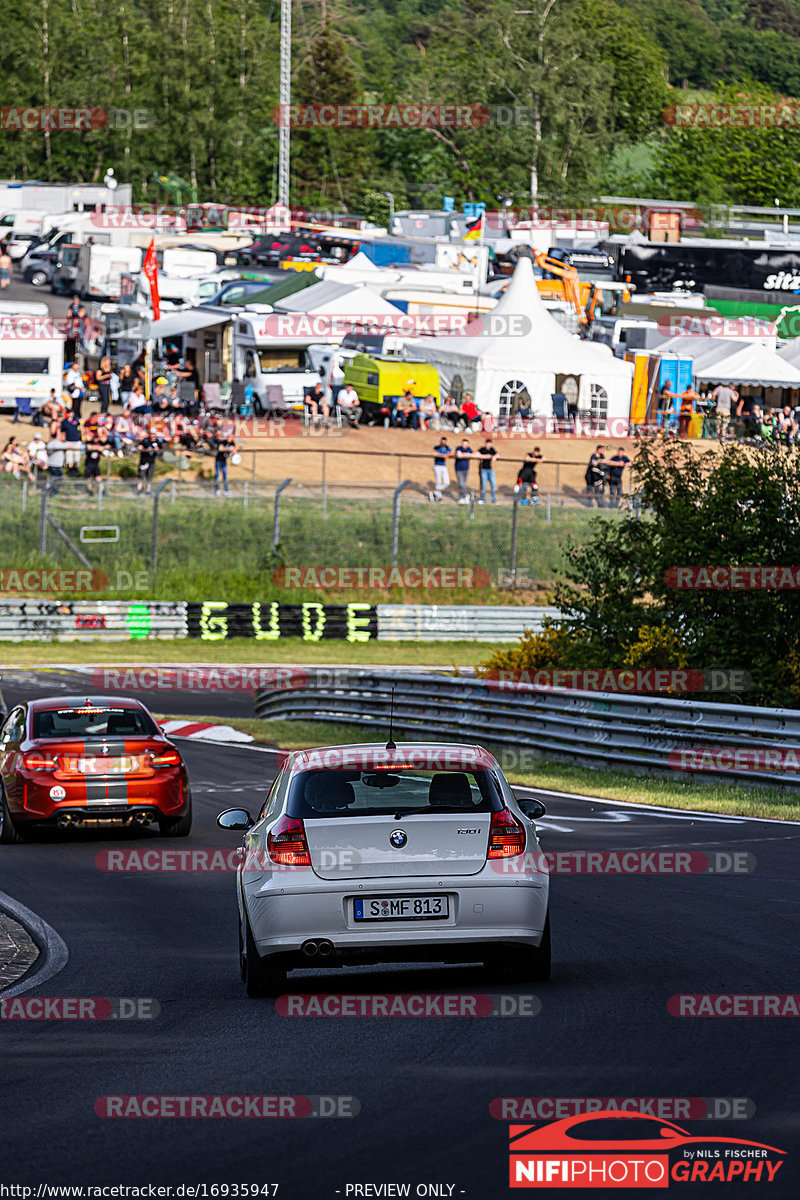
31 354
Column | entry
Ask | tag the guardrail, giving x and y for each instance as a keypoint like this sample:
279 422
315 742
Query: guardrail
601 729
90 620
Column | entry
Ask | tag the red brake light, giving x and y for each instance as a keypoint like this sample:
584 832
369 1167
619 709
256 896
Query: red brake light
167 758
506 836
286 843
34 760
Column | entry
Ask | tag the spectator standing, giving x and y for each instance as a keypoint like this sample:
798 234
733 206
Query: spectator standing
73 386
488 457
724 398
689 398
55 460
464 454
616 465
125 385
71 330
441 478
666 407
149 448
73 450
95 444
103 380
6 269
596 475
225 447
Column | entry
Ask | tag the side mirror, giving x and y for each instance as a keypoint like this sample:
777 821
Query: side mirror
235 818
533 809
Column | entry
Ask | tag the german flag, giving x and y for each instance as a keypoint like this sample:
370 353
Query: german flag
474 231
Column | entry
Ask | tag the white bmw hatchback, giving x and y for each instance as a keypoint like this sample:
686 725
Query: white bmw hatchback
407 853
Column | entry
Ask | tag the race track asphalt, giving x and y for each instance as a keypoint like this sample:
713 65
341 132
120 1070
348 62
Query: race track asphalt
623 944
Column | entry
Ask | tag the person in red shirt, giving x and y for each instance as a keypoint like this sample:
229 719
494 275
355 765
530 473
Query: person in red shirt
470 411
688 400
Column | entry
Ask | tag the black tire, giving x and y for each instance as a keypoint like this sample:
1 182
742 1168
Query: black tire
9 834
38 278
529 964
262 977
177 826
258 407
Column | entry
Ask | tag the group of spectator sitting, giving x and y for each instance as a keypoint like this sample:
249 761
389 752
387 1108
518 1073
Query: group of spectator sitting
407 412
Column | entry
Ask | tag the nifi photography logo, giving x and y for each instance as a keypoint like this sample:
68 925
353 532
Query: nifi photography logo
613 1149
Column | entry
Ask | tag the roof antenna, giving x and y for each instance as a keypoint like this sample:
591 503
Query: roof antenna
391 745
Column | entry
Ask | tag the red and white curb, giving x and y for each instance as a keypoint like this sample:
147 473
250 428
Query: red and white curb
202 731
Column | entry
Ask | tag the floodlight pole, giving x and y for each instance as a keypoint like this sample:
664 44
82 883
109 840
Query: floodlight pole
285 100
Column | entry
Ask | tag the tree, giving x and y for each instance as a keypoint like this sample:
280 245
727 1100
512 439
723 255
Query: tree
734 508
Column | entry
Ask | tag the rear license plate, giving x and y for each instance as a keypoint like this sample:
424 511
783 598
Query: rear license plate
401 908
105 766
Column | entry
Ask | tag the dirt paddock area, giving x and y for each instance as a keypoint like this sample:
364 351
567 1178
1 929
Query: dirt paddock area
370 456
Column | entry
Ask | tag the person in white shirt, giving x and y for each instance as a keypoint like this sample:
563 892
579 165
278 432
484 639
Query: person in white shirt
37 449
347 400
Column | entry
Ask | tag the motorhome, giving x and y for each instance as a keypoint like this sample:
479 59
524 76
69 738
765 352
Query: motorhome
31 354
99 269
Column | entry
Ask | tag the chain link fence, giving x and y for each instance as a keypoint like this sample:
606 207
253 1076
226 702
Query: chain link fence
188 540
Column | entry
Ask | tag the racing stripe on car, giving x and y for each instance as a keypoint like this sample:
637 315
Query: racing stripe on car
107 789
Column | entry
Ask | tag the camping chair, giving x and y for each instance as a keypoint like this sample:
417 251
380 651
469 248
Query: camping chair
237 398
24 408
211 395
276 402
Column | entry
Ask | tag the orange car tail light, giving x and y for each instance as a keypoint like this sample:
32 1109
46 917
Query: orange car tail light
36 760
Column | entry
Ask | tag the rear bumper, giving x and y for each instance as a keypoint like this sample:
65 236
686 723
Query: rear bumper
480 916
100 797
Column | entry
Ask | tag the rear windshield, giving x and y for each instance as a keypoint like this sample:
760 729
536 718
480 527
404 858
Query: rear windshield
92 722
394 794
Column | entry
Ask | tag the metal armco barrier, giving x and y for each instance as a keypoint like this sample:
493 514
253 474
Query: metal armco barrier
90 620
602 729
459 622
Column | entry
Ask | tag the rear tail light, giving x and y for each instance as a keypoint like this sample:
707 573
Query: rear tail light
35 760
165 758
506 836
286 843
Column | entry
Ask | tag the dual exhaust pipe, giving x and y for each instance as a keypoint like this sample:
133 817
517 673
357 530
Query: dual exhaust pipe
317 948
74 820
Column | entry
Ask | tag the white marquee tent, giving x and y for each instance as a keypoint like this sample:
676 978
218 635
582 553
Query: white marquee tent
520 347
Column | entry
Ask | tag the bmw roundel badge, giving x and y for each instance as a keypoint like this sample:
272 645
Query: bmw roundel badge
398 838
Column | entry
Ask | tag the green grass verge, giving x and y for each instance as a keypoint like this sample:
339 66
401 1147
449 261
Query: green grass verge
730 799
244 650
221 550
